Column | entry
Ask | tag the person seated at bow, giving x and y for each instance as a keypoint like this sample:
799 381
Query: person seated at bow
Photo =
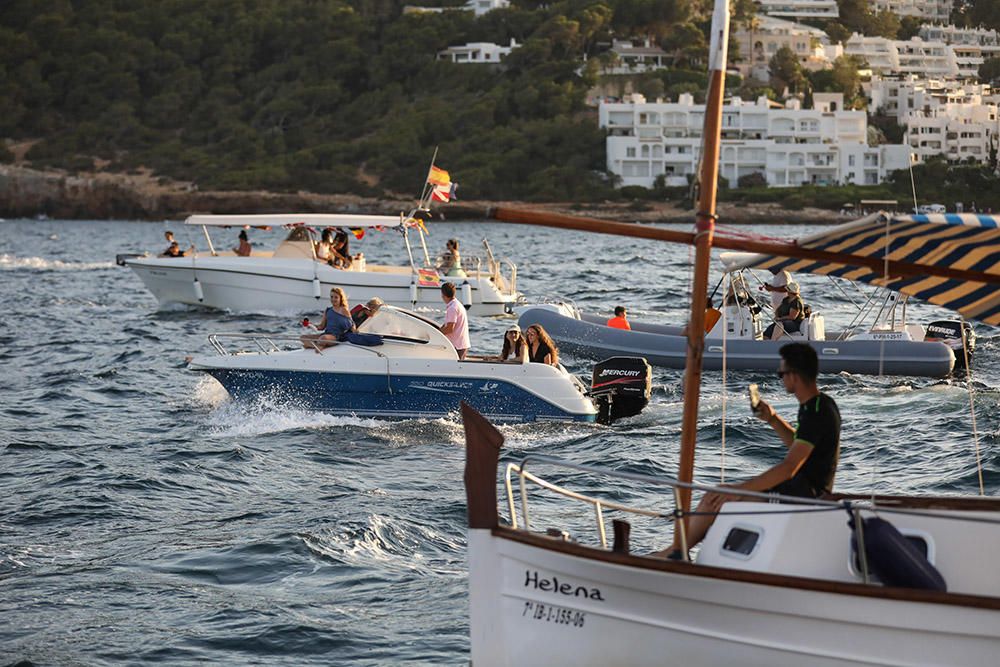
541 349
335 324
450 263
243 249
515 347
789 314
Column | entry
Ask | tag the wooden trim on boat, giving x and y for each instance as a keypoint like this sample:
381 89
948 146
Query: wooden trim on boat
893 267
973 503
760 578
482 455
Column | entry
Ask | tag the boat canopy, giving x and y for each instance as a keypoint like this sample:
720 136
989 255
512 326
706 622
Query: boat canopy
296 219
961 242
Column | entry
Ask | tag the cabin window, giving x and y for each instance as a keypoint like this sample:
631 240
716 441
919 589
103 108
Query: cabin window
741 541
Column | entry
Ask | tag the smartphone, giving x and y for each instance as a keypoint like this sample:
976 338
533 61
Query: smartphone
754 392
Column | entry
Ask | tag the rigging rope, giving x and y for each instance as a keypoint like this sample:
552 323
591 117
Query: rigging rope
972 408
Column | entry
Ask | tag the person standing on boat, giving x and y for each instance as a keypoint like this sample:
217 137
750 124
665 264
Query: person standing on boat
541 349
456 324
810 464
777 287
336 322
620 320
243 249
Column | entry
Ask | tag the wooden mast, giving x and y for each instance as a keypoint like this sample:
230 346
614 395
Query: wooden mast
704 230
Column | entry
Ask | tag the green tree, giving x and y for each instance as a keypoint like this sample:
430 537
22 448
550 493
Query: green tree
989 71
786 71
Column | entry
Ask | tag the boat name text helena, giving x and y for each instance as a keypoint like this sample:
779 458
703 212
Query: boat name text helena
531 579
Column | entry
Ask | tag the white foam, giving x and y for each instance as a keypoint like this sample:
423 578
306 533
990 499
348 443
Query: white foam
12 263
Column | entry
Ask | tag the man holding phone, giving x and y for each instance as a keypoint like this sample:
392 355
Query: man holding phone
809 466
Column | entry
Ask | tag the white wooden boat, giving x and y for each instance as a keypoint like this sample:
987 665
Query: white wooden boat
773 584
290 279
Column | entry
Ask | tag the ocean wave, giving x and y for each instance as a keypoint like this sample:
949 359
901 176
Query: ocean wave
12 263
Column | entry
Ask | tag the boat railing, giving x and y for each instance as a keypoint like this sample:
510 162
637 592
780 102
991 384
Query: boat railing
265 343
674 515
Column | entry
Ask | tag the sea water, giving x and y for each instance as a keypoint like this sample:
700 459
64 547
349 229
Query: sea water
146 518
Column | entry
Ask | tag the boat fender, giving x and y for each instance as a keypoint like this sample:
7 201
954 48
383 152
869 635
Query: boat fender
317 289
198 292
413 292
895 560
467 294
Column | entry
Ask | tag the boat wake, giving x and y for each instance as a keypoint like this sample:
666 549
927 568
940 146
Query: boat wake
12 263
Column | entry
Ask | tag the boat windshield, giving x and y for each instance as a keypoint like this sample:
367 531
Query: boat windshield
391 322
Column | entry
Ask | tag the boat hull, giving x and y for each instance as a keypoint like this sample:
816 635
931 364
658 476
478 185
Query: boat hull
532 605
286 285
665 346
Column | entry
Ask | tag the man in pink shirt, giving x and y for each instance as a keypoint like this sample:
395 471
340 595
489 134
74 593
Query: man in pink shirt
456 324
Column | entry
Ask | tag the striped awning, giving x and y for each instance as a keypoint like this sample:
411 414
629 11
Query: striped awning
961 242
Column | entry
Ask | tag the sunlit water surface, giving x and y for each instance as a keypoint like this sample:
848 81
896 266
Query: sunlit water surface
146 518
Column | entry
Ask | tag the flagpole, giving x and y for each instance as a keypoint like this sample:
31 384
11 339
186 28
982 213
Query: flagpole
704 231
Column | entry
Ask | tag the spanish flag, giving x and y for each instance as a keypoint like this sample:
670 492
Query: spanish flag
438 176
359 232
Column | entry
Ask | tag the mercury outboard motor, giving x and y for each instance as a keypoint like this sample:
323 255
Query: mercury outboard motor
949 332
620 387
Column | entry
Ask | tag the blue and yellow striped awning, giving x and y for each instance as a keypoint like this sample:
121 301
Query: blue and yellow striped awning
965 242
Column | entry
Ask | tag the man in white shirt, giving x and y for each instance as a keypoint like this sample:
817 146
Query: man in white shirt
777 287
456 324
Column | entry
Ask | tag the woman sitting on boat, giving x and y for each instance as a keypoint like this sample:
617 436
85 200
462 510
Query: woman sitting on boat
450 263
335 325
541 349
515 348
340 251
788 315
324 245
243 249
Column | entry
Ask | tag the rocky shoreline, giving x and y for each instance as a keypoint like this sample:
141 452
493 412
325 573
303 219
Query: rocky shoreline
28 193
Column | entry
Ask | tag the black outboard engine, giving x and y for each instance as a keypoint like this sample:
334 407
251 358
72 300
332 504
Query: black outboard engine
949 332
621 387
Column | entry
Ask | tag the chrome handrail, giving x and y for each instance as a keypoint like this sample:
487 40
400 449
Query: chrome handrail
260 339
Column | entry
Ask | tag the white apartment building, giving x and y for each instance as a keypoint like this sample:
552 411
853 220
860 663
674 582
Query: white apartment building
971 45
477 52
932 10
955 132
788 146
800 9
899 96
480 7
766 35
891 56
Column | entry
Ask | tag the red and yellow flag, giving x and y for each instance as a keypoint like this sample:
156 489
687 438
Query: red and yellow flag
438 177
359 232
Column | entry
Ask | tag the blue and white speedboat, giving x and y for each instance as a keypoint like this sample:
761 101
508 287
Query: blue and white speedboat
416 373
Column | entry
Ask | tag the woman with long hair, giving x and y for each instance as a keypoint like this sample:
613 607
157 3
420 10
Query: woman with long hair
335 324
541 349
515 347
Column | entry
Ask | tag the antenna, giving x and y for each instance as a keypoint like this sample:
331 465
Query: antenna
913 187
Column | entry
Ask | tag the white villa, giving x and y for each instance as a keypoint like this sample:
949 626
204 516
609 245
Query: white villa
478 7
760 41
954 131
800 9
477 52
915 56
632 58
932 10
787 146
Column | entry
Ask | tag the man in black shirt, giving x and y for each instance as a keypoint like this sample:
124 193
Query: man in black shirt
813 445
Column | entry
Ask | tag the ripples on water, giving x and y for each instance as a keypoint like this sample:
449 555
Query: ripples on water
148 519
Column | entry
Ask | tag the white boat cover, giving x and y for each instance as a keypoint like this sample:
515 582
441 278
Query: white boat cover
296 219
966 242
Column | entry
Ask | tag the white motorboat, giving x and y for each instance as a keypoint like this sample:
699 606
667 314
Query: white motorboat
415 372
291 279
772 584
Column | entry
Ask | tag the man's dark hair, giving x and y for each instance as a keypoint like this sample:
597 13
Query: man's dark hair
801 359
448 289
619 311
